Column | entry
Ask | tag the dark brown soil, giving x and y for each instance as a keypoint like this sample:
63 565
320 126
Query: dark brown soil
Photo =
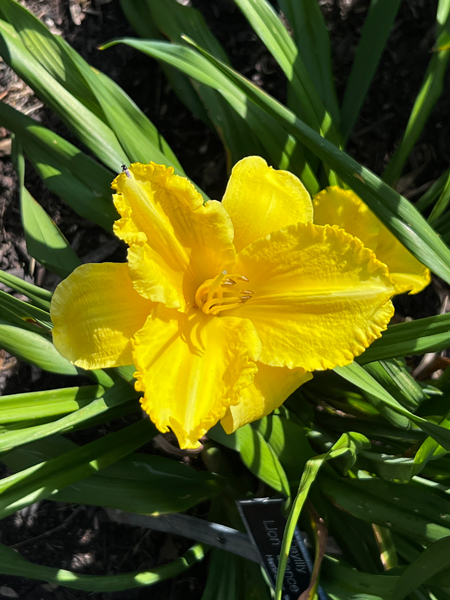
82 538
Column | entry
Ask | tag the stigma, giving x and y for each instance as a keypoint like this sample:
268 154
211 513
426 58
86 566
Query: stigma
222 293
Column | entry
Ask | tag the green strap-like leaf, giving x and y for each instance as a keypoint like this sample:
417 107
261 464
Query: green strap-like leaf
12 563
97 92
395 379
271 30
136 133
86 125
46 479
313 42
256 454
43 46
140 483
434 559
33 348
373 390
232 578
173 20
442 202
397 469
25 312
39 296
341 582
45 242
431 334
120 393
46 404
433 192
76 178
223 580
140 18
289 442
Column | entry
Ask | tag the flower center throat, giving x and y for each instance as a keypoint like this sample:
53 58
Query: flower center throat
222 293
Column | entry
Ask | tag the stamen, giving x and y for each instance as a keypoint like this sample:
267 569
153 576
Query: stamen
222 293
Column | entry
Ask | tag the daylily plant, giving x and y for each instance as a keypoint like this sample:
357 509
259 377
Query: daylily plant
225 308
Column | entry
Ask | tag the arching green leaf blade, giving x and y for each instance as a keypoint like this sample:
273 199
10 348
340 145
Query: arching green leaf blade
12 563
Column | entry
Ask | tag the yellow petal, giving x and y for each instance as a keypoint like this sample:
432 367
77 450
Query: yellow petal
260 200
191 368
95 312
270 388
176 241
319 296
335 206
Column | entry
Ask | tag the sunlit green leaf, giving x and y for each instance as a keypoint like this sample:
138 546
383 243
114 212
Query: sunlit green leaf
39 296
358 376
25 312
12 563
45 242
431 334
81 182
289 442
45 479
88 127
256 454
33 348
46 404
138 483
313 42
268 26
120 393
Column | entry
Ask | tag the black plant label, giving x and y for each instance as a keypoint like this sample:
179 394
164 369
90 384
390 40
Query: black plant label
265 524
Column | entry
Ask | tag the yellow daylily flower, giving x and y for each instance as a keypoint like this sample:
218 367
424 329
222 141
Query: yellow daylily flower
225 308
335 206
